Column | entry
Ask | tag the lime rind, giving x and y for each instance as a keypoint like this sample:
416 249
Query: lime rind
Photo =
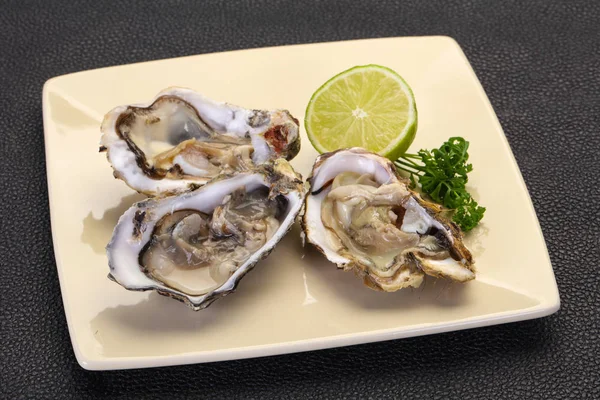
404 138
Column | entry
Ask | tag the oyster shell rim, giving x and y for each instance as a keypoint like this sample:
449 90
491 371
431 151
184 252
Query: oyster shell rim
112 138
278 175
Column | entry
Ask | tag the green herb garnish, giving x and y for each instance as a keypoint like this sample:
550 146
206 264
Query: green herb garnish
442 175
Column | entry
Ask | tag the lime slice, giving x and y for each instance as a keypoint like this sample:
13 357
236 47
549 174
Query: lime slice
366 106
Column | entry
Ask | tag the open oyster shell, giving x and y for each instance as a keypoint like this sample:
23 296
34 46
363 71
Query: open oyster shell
196 246
363 217
181 139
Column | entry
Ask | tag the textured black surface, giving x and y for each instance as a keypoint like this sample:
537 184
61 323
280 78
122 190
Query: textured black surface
539 62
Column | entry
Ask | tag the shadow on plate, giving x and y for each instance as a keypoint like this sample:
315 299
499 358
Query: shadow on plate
158 314
155 326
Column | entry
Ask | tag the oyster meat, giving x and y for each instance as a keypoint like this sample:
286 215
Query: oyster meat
362 216
196 246
181 140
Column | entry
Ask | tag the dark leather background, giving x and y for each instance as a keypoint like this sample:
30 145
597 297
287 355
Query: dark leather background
539 62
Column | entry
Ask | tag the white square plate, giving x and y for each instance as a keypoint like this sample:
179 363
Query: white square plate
294 300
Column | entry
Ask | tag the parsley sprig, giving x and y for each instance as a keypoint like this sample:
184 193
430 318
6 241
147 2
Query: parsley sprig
442 175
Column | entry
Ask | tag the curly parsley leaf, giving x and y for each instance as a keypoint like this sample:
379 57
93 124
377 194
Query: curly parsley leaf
443 174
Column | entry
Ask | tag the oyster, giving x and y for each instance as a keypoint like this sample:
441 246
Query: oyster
363 217
197 245
182 139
